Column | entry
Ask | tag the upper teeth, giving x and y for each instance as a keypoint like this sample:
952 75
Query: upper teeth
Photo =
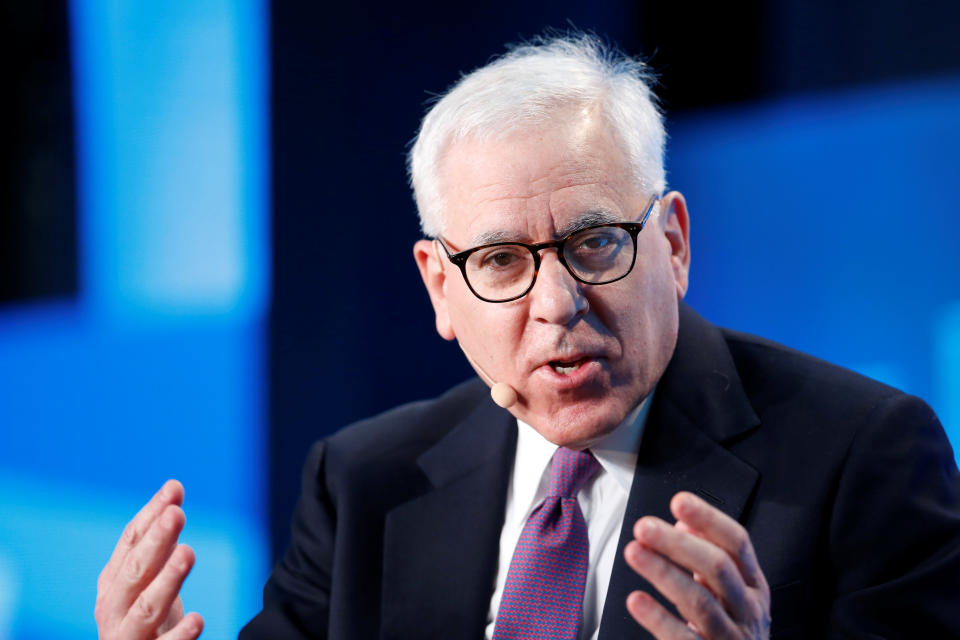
559 368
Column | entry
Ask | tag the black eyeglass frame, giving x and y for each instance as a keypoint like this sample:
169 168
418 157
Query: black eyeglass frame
633 228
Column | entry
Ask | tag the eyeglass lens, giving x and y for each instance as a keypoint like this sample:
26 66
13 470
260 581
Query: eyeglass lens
595 255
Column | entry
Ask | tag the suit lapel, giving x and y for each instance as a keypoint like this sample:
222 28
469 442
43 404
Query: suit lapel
699 404
441 548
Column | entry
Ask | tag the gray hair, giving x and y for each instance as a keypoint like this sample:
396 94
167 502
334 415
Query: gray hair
525 88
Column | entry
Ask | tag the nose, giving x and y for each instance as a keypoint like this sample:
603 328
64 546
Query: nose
556 297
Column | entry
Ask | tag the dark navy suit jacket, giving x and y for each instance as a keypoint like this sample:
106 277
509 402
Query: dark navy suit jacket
848 488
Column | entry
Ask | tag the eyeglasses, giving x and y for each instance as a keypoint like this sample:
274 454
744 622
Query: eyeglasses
505 271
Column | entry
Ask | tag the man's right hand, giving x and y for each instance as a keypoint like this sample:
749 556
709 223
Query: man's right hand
138 591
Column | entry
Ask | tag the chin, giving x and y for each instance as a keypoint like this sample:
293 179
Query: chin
579 426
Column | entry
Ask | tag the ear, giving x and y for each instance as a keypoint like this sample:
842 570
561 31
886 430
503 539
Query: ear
429 261
676 228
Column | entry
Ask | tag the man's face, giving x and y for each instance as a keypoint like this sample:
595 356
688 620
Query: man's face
579 356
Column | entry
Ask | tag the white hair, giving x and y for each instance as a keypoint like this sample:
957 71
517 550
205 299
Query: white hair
527 87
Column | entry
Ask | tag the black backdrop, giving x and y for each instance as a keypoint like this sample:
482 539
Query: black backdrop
351 326
38 239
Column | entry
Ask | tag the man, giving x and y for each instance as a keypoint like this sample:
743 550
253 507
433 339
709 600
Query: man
650 475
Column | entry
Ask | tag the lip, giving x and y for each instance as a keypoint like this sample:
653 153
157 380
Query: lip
590 368
583 352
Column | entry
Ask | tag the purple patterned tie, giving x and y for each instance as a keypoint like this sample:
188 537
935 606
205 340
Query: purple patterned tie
543 596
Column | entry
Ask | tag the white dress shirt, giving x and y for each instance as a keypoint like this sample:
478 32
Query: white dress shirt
603 501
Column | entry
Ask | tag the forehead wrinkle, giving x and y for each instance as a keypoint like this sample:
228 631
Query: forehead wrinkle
510 199
576 172
596 212
579 173
506 198
582 221
551 192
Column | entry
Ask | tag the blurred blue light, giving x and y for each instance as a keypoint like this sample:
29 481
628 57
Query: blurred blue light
947 348
171 135
157 369
139 405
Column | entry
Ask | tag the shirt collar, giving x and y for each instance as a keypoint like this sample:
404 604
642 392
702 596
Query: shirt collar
616 452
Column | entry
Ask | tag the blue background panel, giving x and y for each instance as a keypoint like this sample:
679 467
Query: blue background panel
171 127
124 410
157 368
947 370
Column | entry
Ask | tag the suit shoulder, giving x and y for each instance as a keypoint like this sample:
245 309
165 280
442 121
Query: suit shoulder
409 428
779 364
778 377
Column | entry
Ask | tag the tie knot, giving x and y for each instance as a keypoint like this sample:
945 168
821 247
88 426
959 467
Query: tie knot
571 470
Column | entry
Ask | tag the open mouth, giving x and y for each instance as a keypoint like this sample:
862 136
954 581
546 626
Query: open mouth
566 368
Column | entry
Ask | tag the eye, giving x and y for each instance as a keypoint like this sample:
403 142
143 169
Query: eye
597 239
500 258
595 242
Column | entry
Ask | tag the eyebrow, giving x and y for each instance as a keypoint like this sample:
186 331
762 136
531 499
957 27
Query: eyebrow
589 219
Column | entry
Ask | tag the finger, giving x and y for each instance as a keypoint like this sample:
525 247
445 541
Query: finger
654 618
695 603
153 606
187 629
683 526
170 493
144 561
723 531
708 561
176 615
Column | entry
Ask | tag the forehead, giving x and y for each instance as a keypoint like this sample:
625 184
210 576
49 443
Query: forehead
534 182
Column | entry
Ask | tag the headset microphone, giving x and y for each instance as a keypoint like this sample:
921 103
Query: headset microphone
502 393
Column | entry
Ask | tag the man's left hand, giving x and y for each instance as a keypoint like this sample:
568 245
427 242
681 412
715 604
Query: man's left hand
706 566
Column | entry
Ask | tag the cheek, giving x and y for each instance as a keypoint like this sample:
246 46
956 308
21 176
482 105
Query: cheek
647 326
488 332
